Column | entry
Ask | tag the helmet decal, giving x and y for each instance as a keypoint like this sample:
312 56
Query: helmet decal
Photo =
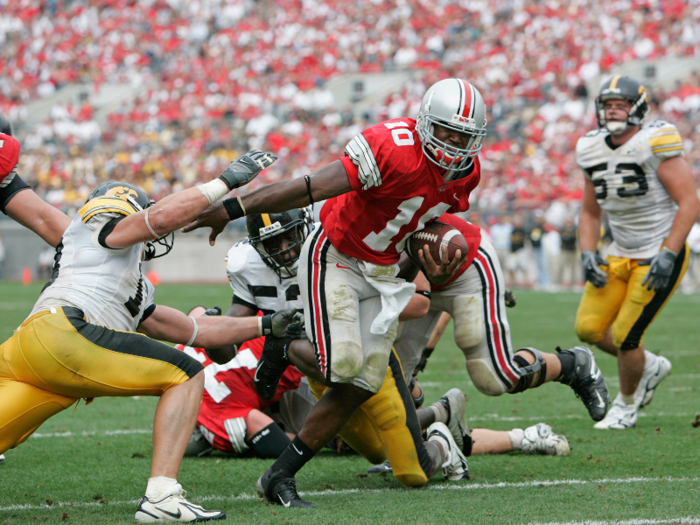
123 192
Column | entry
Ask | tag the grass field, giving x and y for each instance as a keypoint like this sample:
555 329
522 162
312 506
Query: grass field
90 465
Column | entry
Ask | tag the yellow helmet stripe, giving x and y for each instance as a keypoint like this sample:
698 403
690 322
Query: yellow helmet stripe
266 219
614 81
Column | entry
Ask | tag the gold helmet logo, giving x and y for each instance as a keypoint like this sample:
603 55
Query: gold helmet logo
122 192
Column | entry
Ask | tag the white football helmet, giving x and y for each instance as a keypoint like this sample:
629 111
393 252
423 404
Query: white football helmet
455 104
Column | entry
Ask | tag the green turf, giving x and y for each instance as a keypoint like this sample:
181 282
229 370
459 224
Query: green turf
95 475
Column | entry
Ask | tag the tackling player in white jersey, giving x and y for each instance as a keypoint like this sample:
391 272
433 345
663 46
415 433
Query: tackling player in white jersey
637 173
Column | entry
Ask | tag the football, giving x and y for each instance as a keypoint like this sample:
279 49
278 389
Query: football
439 237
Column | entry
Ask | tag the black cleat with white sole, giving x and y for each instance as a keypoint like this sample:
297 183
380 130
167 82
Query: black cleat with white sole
587 381
275 487
273 362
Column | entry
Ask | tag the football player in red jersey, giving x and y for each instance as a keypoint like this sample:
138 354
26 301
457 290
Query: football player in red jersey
475 298
26 207
395 177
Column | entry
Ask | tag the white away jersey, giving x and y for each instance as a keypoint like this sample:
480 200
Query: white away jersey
106 284
640 209
255 284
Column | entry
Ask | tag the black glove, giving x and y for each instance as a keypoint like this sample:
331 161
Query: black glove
279 323
241 171
425 354
510 298
213 312
660 270
591 269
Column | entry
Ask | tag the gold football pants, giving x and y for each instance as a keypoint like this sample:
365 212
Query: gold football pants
53 359
386 427
624 303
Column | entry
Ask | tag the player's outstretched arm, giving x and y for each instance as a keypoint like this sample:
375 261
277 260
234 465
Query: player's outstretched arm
28 209
675 175
330 181
169 324
177 210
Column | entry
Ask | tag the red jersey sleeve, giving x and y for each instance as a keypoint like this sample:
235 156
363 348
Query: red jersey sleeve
9 155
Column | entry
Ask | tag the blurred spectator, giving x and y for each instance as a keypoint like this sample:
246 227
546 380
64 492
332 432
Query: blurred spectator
535 236
691 279
45 263
517 261
500 236
569 262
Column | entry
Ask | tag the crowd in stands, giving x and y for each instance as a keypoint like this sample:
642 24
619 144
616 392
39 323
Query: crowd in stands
220 76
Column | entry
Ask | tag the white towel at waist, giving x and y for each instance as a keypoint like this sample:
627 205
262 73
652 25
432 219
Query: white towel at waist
395 293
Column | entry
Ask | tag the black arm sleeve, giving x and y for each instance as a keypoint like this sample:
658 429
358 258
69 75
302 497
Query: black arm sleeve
12 189
106 230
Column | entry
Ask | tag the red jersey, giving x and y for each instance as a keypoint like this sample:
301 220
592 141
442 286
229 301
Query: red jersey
9 155
472 234
396 191
229 389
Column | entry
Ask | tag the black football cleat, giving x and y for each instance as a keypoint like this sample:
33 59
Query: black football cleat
275 487
273 362
587 381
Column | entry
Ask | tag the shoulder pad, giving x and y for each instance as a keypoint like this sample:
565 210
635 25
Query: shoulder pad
664 139
241 256
105 205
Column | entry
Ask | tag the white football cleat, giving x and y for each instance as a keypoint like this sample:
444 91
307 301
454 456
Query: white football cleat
174 508
655 371
455 467
454 402
2 459
620 416
539 439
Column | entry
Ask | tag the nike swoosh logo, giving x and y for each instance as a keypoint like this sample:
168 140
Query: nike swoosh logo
255 377
594 372
343 267
285 504
297 450
176 516
600 399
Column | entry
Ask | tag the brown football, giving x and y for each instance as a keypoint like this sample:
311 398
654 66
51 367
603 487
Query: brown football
439 237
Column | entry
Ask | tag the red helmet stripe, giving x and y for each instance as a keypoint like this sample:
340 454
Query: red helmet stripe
468 90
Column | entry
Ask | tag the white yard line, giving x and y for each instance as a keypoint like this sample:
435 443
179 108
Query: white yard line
443 486
664 521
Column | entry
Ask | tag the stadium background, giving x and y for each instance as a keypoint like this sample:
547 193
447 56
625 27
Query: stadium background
163 93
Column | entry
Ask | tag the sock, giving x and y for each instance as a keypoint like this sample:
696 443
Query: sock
516 438
567 361
441 414
295 456
159 487
627 400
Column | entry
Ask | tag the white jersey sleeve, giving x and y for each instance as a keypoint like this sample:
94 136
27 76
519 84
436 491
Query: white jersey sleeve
238 258
627 186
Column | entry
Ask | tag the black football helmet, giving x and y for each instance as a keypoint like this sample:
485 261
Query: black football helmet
265 228
5 127
139 201
625 88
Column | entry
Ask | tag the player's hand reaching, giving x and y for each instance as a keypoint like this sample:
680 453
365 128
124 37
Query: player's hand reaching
241 171
591 269
440 274
284 323
660 269
215 217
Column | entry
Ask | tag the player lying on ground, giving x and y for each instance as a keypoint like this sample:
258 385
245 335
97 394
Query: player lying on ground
81 340
475 298
18 201
638 174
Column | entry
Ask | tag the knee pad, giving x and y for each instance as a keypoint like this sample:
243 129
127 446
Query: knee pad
527 371
385 408
347 362
484 377
469 321
270 442
236 429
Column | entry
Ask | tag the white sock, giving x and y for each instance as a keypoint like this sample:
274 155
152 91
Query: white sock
627 400
440 412
516 438
159 487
